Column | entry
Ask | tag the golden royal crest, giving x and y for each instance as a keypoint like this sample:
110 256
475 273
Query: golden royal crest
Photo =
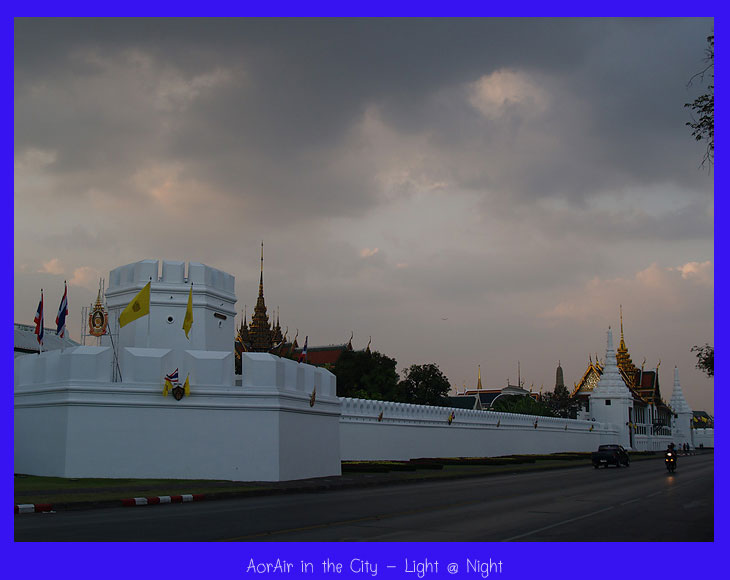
98 318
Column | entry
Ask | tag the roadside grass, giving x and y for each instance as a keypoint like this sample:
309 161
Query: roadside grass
58 490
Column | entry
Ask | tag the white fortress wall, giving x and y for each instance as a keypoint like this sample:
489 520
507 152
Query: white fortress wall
411 431
652 442
265 431
704 437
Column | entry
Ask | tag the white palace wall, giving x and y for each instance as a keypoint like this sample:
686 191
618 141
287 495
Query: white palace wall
413 431
704 437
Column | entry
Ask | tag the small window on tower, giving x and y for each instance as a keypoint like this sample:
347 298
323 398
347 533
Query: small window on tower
608 401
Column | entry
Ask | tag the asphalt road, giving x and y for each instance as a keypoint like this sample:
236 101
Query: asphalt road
639 503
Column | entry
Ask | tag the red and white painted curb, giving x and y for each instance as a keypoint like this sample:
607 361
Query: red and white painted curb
133 501
29 508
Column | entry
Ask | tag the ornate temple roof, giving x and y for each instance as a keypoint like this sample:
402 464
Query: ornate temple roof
590 378
643 385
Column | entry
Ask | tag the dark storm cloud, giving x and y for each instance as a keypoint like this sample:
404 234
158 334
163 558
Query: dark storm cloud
297 87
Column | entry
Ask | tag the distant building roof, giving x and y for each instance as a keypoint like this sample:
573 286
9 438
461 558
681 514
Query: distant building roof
464 402
488 396
26 341
323 355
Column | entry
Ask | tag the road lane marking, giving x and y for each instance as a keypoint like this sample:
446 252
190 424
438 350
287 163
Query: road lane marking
630 501
558 524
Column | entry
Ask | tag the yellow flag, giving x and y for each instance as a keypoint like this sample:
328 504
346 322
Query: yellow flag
188 322
137 308
168 388
187 386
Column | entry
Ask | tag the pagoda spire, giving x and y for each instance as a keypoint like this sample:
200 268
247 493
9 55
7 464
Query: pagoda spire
479 380
260 329
261 278
623 358
559 381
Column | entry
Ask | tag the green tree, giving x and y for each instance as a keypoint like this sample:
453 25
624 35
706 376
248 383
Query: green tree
703 107
560 402
522 404
425 385
705 359
366 375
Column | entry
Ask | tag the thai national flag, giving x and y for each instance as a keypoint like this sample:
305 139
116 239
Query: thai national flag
173 378
39 321
62 313
303 355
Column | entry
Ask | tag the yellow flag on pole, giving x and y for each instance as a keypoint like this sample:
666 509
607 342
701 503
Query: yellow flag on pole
168 387
187 386
188 322
137 308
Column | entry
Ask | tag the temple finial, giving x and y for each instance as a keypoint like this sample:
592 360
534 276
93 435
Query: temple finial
621 319
479 380
261 278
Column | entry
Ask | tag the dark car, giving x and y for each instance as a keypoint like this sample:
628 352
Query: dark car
610 455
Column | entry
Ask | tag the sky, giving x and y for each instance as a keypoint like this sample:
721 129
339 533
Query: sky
465 192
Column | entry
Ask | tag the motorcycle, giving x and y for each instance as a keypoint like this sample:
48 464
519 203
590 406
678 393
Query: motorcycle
670 460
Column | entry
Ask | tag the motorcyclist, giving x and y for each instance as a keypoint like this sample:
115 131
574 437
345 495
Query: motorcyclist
671 452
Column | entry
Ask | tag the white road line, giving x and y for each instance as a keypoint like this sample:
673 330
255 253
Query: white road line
558 524
630 501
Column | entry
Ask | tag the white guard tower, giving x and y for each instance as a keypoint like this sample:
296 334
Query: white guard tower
611 400
159 337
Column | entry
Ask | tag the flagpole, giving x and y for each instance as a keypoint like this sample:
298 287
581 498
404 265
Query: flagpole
114 348
40 330
149 315
63 345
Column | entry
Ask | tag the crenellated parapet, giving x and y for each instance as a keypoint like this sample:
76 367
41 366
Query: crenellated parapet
366 410
381 430
137 274
264 371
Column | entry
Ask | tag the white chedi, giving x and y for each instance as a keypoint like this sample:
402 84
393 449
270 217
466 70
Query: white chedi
611 385
678 403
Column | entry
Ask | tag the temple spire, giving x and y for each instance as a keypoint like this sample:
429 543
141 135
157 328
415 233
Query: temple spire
623 358
479 380
559 380
260 329
621 319
261 278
